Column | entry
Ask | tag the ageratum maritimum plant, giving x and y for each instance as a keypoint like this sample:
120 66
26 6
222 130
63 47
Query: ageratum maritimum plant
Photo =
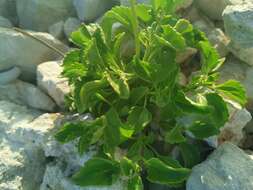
142 110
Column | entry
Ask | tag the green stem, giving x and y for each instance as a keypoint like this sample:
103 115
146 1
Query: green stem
135 28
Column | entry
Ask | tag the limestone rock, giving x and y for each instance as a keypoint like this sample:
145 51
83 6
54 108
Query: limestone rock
90 10
9 75
227 168
26 94
4 22
40 15
49 79
8 10
57 30
70 25
25 52
239 27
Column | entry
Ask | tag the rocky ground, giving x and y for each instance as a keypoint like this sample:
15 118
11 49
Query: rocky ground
32 92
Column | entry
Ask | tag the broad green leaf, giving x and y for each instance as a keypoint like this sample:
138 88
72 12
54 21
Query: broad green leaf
142 69
126 131
139 118
183 26
112 130
135 183
137 94
175 38
128 167
134 151
69 132
175 135
143 12
81 37
97 172
202 130
159 172
170 161
233 91
84 143
119 85
220 113
190 154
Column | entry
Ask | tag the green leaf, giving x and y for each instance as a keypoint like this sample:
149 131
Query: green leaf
139 118
137 94
173 37
97 172
233 91
81 37
183 26
134 151
128 168
112 130
142 69
220 113
202 130
159 172
190 153
143 12
135 183
175 135
170 161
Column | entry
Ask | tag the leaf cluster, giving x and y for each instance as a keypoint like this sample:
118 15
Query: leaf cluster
125 72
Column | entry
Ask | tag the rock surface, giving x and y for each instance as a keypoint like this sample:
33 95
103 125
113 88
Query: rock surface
40 15
9 75
49 80
26 94
4 22
57 30
70 25
90 10
238 20
25 52
227 168
8 10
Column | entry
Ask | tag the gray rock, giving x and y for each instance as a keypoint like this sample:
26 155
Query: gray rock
25 52
227 168
70 25
127 3
4 22
40 15
239 27
57 30
90 10
49 79
9 75
26 94
8 10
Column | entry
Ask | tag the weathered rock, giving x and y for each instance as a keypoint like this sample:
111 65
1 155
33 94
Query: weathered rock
4 22
214 8
8 10
49 79
90 10
26 94
70 25
227 168
40 15
57 30
239 27
9 75
25 52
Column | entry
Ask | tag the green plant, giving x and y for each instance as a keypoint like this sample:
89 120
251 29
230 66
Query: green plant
142 110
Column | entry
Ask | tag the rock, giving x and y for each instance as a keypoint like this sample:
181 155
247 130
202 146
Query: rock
14 44
227 168
49 79
4 22
90 10
57 30
40 15
127 3
8 10
26 94
70 25
239 27
9 75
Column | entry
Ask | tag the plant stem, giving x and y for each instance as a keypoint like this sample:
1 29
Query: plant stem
135 28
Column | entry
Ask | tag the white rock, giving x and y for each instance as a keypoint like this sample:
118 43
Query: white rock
227 168
20 50
26 94
239 27
8 10
9 75
70 25
4 22
90 10
57 30
49 79
40 15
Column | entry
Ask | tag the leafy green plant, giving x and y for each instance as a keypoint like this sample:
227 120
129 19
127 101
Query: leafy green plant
142 111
